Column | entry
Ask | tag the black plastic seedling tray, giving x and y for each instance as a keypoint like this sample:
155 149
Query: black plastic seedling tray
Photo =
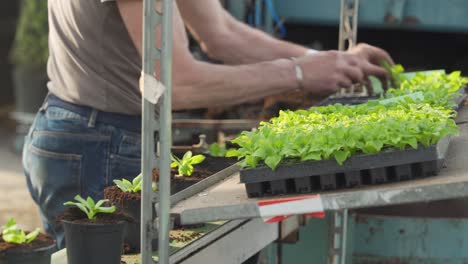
352 100
360 170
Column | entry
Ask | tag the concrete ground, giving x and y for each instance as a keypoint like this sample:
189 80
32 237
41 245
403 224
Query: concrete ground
15 200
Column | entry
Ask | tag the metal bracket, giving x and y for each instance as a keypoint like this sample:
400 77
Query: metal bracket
337 254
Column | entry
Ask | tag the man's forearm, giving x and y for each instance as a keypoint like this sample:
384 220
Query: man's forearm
243 44
231 41
210 85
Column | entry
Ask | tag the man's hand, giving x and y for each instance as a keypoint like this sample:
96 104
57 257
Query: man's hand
373 55
326 72
370 53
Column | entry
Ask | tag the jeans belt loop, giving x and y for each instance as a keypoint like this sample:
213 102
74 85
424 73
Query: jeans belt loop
92 118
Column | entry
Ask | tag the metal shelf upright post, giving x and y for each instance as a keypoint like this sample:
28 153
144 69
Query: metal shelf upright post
156 127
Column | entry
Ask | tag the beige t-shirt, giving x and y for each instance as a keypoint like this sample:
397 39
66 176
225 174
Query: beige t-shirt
93 61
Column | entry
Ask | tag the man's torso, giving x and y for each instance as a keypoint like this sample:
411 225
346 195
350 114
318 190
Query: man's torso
93 61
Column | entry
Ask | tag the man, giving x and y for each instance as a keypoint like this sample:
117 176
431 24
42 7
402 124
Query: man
87 133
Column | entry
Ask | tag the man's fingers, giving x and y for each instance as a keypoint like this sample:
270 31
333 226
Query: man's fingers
380 54
355 74
369 87
344 82
379 72
374 70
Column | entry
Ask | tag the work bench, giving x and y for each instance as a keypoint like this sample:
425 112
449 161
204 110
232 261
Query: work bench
246 233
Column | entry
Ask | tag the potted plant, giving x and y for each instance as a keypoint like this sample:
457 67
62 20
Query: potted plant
29 56
126 195
20 247
93 232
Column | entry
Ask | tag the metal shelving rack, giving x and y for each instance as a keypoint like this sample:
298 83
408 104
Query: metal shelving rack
156 128
225 198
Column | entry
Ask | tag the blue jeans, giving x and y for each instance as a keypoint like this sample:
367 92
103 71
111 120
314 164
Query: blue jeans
69 151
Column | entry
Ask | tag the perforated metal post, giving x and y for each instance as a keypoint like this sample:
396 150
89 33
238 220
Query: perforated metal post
348 24
348 31
156 127
338 241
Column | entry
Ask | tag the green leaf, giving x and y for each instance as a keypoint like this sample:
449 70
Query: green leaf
184 170
137 180
33 235
187 155
101 202
10 225
107 210
90 202
197 159
127 183
122 186
80 199
231 153
341 156
273 161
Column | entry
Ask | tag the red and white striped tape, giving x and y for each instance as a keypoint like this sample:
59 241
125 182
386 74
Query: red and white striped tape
277 210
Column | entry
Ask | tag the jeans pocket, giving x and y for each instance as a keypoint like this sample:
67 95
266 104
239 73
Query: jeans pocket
130 145
124 167
54 178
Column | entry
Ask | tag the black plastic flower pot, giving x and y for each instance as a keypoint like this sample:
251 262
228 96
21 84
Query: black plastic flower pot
89 243
132 235
37 256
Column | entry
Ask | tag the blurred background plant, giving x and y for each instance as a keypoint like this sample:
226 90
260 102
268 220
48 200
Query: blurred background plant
29 55
30 45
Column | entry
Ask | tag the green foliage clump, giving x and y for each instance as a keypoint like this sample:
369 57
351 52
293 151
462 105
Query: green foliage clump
185 165
12 234
31 40
91 208
419 113
217 150
438 88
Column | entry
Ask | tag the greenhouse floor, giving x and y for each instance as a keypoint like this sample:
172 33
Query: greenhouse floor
15 200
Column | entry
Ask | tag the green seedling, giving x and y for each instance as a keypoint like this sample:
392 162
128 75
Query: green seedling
185 165
217 150
12 234
130 186
133 186
91 208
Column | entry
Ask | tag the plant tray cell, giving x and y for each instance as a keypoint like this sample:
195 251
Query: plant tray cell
359 170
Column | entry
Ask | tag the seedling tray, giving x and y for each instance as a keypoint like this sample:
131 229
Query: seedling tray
352 100
360 170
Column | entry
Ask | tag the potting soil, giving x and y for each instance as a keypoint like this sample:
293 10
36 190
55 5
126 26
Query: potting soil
75 215
41 241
